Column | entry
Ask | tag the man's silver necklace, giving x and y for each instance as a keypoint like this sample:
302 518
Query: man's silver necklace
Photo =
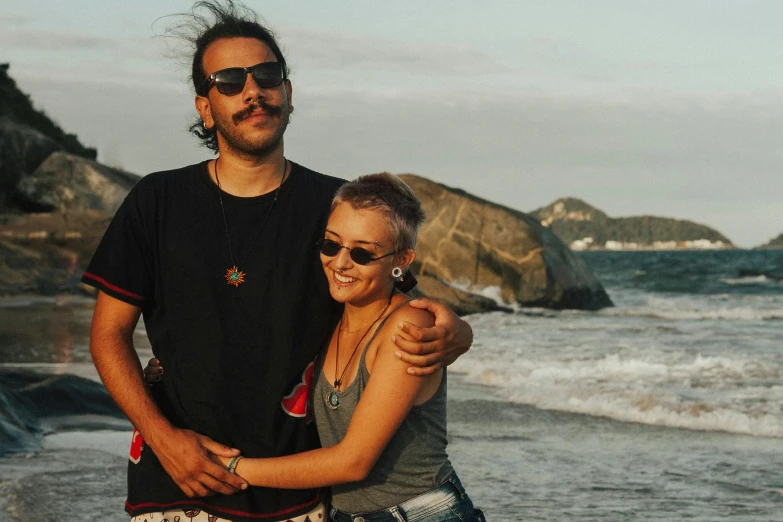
234 276
333 398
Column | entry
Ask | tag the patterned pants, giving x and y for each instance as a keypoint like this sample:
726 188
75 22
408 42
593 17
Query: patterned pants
195 515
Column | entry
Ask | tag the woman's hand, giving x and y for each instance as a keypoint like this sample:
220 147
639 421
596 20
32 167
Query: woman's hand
429 349
153 372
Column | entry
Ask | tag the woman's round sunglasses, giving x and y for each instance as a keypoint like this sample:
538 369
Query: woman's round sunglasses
232 80
359 255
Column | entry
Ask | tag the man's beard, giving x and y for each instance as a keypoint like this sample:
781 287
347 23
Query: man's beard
240 142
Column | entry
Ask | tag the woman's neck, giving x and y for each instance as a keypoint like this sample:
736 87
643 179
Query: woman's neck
358 317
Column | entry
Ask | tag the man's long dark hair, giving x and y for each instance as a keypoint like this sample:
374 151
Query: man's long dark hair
211 20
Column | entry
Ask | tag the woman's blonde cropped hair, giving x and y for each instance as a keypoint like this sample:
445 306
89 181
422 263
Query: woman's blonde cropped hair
390 195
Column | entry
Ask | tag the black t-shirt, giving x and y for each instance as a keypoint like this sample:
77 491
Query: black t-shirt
231 354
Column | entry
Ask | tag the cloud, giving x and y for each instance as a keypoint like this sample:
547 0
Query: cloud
132 61
562 65
636 130
8 19
334 51
53 41
143 128
704 159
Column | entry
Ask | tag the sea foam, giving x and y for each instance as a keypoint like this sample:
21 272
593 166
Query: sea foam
644 392
630 369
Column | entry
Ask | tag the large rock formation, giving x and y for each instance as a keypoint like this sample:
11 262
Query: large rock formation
468 245
27 137
36 175
22 149
65 182
575 221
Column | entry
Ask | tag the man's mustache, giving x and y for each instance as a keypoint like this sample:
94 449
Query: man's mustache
271 110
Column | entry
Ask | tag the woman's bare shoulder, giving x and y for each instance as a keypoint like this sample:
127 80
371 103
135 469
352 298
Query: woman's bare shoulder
409 314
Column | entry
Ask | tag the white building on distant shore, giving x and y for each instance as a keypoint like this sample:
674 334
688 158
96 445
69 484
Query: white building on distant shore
582 244
587 243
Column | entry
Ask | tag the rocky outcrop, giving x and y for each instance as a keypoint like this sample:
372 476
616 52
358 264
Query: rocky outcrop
468 245
68 183
773 243
583 226
27 137
22 149
36 175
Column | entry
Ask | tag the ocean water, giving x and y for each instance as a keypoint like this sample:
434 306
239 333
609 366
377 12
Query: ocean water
668 406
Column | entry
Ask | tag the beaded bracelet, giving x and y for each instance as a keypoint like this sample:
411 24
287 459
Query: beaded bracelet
232 464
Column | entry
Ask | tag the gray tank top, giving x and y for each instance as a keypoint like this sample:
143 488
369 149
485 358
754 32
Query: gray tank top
413 462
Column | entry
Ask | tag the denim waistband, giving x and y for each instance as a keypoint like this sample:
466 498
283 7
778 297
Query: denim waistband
439 498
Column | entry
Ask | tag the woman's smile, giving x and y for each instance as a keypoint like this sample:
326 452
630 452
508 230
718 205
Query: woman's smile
342 279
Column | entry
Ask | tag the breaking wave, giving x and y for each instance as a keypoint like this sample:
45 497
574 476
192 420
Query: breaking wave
705 393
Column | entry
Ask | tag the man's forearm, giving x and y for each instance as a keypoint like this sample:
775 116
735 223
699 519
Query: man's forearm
119 368
182 453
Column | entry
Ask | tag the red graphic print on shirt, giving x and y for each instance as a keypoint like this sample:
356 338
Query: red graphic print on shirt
295 403
137 445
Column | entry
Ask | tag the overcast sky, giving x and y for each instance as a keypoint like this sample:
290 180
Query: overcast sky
664 108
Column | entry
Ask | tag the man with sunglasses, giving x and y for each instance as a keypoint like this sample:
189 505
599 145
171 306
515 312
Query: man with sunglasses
221 260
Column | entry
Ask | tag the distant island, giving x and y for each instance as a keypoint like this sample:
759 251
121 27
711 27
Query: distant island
584 227
773 243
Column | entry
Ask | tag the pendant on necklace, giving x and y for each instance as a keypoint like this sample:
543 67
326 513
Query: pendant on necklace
234 276
333 400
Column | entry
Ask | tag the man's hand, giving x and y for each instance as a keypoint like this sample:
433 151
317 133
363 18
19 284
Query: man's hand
183 454
189 471
429 349
186 457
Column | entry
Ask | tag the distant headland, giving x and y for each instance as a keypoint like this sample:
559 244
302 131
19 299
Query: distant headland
584 227
773 243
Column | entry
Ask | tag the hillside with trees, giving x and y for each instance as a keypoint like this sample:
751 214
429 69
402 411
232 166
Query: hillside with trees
773 243
574 220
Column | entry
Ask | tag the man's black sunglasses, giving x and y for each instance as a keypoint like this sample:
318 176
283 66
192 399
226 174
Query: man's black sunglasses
359 255
232 80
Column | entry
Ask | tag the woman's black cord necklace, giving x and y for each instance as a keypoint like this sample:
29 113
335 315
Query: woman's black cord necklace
233 275
333 400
